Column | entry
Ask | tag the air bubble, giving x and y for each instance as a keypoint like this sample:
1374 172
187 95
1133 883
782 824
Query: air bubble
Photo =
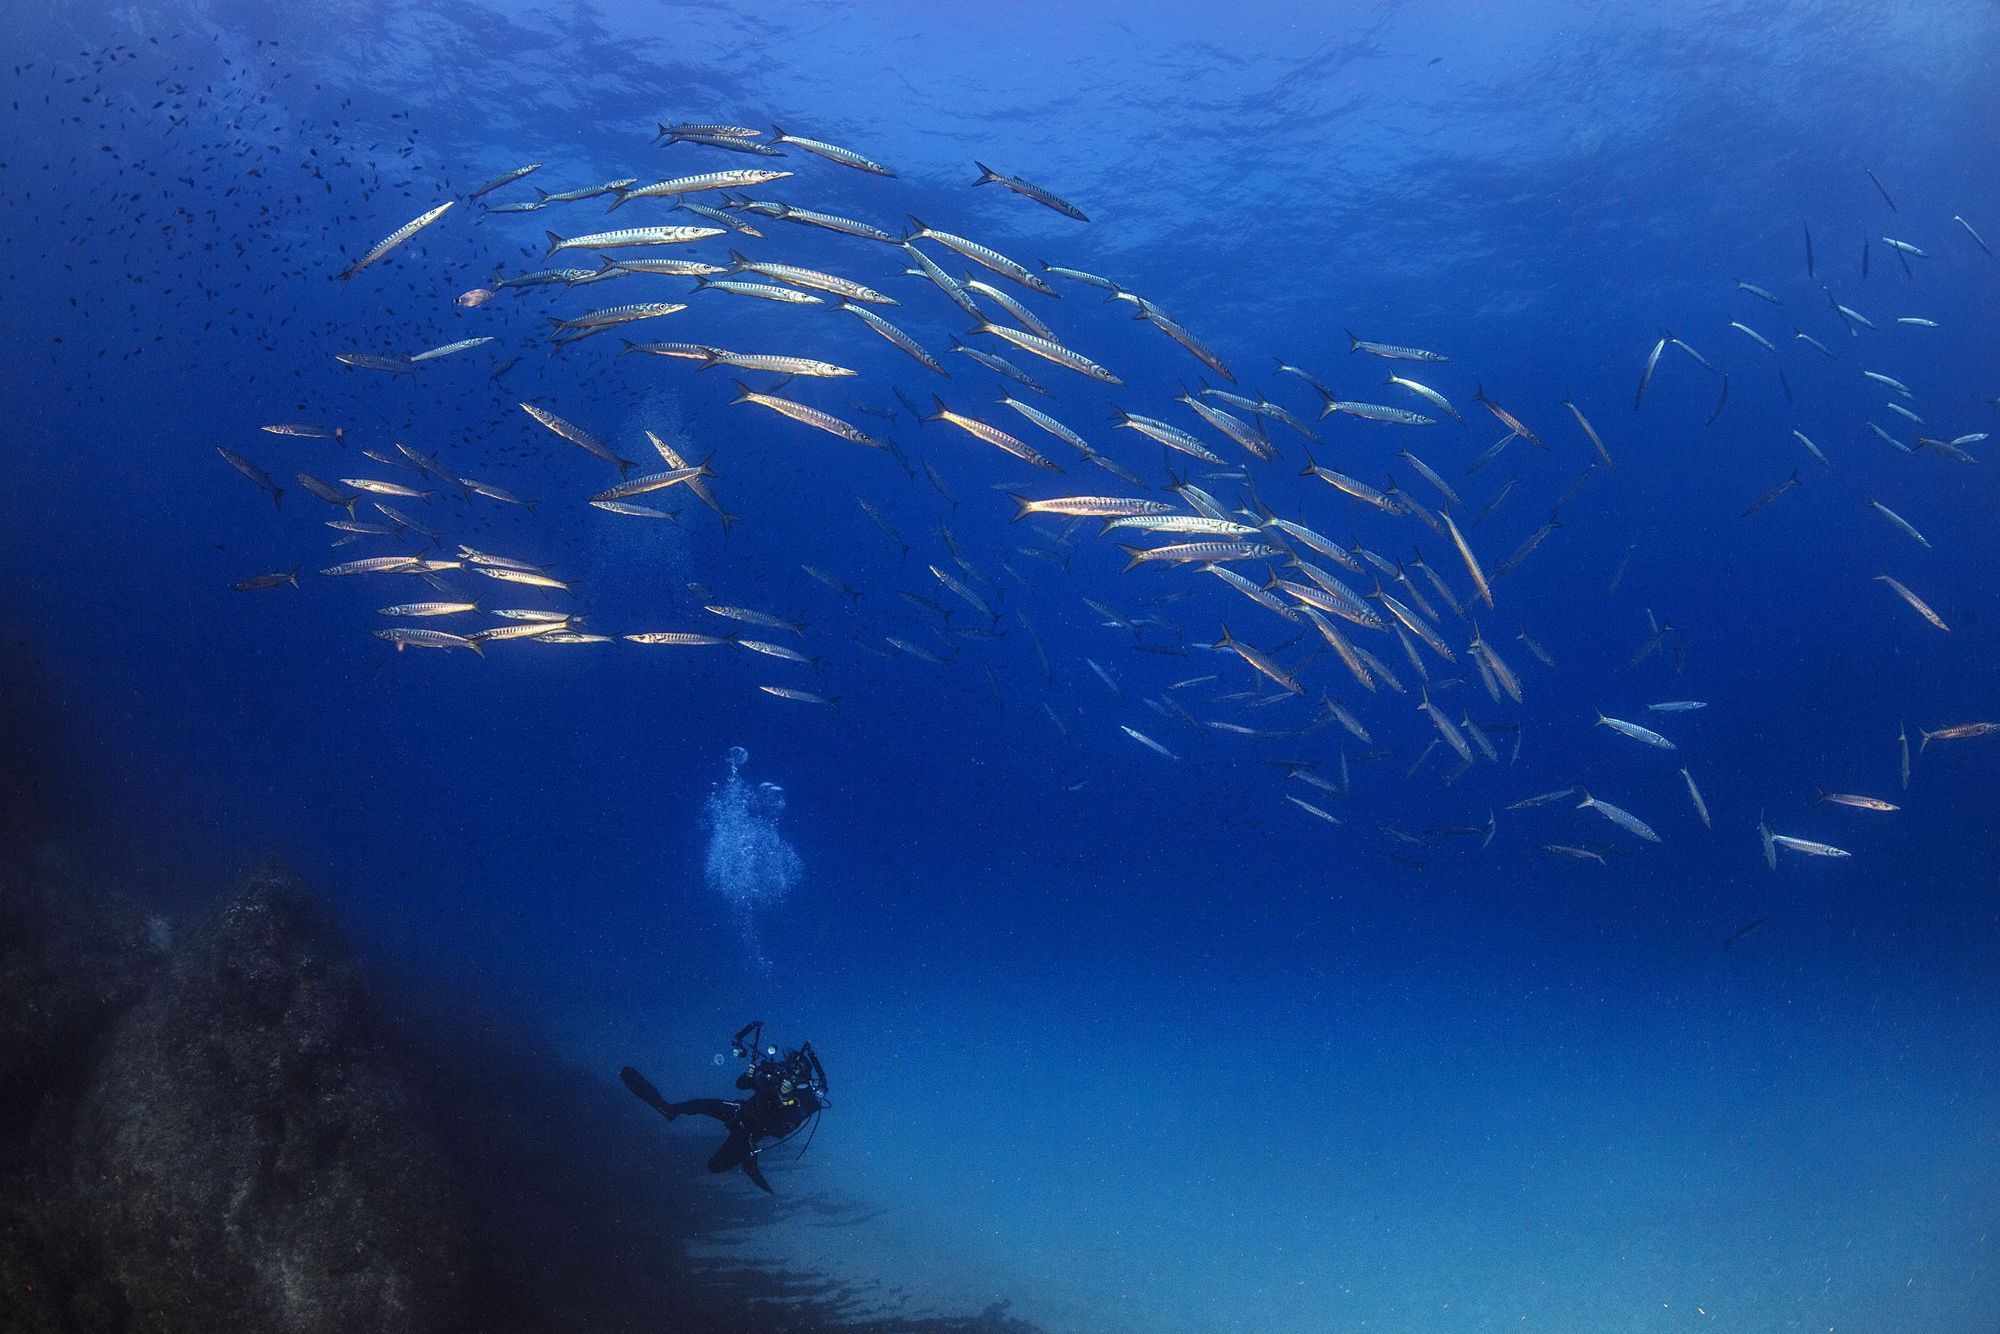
749 862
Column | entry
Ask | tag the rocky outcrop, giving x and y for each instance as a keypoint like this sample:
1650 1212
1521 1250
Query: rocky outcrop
237 1151
72 960
247 1155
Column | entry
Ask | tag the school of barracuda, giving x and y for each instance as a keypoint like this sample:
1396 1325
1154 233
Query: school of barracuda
1364 638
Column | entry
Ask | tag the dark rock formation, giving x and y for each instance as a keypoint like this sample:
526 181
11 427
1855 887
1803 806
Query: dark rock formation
228 1148
71 962
248 1157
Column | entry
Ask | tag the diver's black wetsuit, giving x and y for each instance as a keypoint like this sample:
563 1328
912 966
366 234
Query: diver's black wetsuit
784 1092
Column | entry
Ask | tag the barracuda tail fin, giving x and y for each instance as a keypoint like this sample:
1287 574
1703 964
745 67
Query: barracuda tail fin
555 244
1136 556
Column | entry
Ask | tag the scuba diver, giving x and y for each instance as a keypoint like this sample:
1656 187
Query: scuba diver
785 1091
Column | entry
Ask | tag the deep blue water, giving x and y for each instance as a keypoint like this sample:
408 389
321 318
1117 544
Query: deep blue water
1130 1041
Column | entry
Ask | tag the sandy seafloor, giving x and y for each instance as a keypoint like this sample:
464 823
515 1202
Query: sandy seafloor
1567 1167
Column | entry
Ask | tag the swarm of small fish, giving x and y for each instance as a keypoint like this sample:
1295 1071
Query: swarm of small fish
1331 626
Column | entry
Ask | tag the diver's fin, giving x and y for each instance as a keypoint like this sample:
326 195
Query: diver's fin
756 1173
646 1093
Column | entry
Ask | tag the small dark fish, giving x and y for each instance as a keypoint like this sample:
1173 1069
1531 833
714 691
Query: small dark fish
1771 495
882 524
1572 851
1721 402
1577 485
1883 191
1492 453
1493 504
1977 239
1741 932
1652 645
1811 272
1527 548
1618 575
